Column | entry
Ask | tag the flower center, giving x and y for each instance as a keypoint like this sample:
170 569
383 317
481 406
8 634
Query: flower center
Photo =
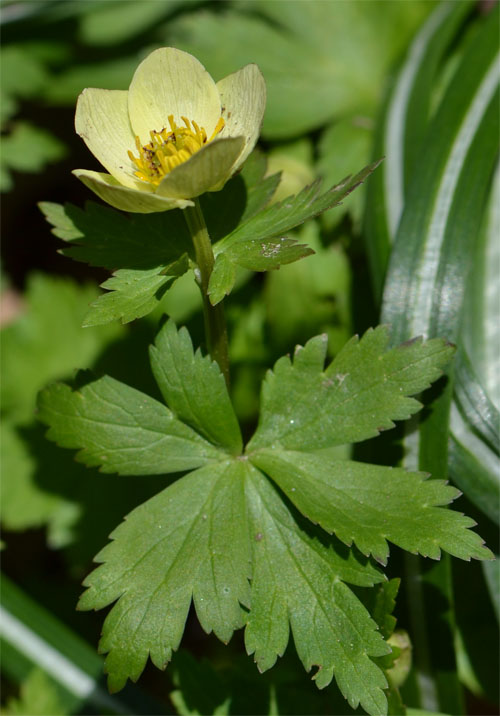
169 148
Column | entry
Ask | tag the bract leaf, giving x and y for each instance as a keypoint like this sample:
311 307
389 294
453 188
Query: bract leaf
194 388
291 212
190 542
254 256
222 279
101 236
362 392
370 504
121 429
296 580
258 256
131 294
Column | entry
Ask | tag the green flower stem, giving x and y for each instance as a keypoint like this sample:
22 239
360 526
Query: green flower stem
215 322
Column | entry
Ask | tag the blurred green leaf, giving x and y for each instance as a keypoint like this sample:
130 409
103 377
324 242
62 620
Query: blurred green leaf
310 297
111 23
22 76
474 466
309 53
28 359
38 697
35 640
200 690
26 502
27 149
481 329
346 144
442 208
112 74
294 163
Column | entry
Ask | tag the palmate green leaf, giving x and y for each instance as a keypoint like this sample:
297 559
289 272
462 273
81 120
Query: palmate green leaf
296 581
194 388
190 542
372 504
382 604
121 429
366 388
289 213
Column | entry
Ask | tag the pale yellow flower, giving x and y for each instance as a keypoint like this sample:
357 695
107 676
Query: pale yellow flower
174 135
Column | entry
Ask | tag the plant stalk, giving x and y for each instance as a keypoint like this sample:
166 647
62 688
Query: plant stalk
215 321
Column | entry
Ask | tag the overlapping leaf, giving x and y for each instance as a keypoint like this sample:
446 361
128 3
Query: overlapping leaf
223 538
370 504
194 388
297 581
190 542
366 388
257 244
291 212
121 429
146 252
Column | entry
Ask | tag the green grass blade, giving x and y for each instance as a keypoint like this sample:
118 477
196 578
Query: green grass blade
400 132
445 204
32 637
424 291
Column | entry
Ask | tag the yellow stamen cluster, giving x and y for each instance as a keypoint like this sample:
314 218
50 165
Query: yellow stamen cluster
169 148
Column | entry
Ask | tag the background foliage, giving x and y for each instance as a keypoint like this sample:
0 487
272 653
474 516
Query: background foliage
347 83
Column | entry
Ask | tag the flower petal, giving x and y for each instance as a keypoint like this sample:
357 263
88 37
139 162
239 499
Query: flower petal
243 98
111 191
167 82
102 122
208 168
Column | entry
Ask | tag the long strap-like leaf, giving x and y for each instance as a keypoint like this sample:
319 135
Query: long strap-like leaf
438 185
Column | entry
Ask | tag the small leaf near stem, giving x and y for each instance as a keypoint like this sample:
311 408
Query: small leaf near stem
215 322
